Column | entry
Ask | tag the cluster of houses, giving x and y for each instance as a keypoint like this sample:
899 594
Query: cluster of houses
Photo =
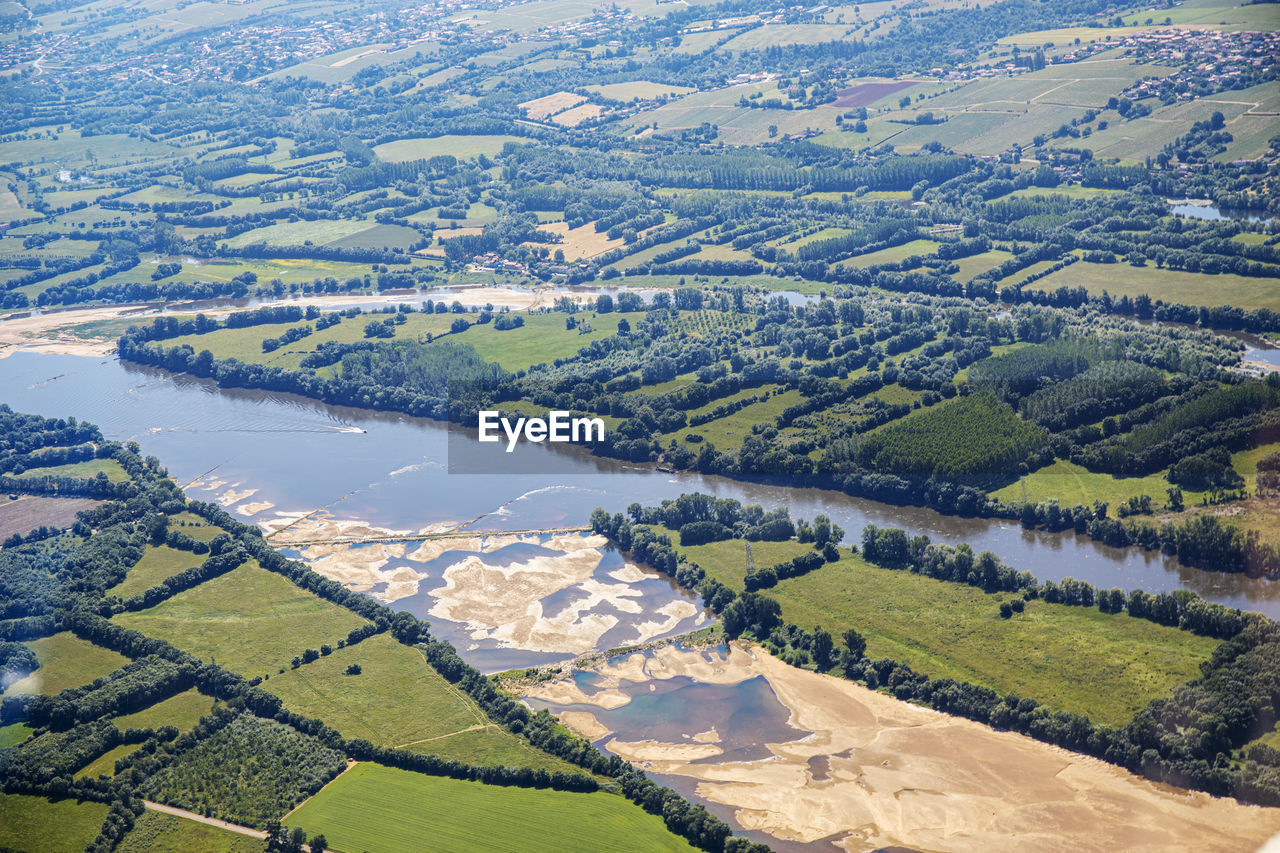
1214 58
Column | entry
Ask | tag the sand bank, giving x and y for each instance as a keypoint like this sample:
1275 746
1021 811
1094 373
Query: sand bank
586 723
898 774
504 602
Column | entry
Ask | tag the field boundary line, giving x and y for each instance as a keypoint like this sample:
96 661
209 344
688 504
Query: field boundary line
351 762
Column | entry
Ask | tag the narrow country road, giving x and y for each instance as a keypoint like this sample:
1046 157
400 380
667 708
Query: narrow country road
221 824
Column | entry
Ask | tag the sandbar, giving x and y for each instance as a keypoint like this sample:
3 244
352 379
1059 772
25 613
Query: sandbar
899 774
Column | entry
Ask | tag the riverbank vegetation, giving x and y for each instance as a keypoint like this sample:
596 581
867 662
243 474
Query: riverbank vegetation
934 401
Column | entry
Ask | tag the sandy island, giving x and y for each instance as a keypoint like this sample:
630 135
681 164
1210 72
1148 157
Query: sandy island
899 774
500 602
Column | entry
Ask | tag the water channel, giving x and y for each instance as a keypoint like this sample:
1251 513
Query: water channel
390 471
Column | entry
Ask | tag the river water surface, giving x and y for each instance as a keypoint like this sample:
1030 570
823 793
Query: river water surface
390 471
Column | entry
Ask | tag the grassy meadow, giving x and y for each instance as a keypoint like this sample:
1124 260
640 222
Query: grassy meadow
39 825
249 621
65 661
372 807
158 564
183 710
1189 288
86 469
156 832
1068 658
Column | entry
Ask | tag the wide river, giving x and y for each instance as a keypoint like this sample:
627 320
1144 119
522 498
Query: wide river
390 470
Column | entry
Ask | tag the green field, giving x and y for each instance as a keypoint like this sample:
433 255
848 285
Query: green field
1065 190
66 661
372 807
320 232
246 343
400 700
85 469
183 711
728 432
1072 484
249 621
1134 140
737 125
13 734
642 89
542 338
38 825
1068 658
380 237
158 564
397 699
894 254
105 764
1188 288
493 746
974 265
155 832
462 147
194 526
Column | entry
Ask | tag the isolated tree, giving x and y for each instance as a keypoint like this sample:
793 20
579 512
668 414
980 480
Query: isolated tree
855 643
823 645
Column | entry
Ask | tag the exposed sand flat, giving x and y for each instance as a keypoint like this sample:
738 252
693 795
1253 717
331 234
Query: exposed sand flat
672 612
287 529
231 496
498 601
209 484
504 603
48 333
568 693
903 775
629 573
586 723
433 548
652 752
254 507
361 568
574 541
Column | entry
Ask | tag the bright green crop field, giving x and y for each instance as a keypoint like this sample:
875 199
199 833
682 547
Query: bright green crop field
372 807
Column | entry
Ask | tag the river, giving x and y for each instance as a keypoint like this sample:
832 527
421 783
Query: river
390 471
